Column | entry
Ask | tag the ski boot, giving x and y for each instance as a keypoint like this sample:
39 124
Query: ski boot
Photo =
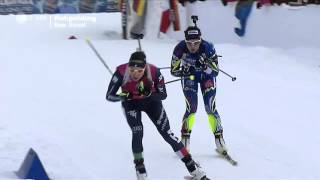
140 169
221 146
198 174
194 169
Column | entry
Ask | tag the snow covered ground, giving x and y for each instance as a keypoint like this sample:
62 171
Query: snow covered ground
52 99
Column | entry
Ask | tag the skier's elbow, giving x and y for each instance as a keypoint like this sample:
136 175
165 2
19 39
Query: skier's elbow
112 98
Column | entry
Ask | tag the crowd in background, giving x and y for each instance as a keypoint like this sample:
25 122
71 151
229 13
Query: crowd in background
261 3
244 7
276 2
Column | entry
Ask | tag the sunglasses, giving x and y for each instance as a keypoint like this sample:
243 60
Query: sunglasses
135 69
193 42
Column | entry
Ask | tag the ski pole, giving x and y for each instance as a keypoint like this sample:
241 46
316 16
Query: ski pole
182 78
169 67
164 68
173 81
98 55
232 77
138 37
140 48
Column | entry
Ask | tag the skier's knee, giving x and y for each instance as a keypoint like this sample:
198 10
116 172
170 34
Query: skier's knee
191 107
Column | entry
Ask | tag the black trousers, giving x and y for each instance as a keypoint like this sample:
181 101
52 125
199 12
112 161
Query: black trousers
157 114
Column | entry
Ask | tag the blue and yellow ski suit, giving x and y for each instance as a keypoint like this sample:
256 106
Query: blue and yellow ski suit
193 71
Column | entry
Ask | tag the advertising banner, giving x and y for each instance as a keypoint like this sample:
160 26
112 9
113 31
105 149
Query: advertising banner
57 6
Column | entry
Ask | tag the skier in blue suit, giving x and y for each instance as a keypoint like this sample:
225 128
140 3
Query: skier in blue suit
196 61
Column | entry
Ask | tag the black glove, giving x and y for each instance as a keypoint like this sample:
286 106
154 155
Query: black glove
188 70
125 96
145 88
213 62
201 63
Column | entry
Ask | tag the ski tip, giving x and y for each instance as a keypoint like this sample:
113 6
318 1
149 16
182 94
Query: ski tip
191 178
234 163
226 156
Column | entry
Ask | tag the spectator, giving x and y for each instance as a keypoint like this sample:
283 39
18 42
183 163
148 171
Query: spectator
242 12
225 2
182 2
36 7
50 6
279 2
261 3
67 6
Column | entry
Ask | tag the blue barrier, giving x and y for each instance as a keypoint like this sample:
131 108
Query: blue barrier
32 168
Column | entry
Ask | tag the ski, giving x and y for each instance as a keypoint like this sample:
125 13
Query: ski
191 178
226 156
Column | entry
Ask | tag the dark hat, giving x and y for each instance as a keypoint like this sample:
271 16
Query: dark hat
192 32
137 59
